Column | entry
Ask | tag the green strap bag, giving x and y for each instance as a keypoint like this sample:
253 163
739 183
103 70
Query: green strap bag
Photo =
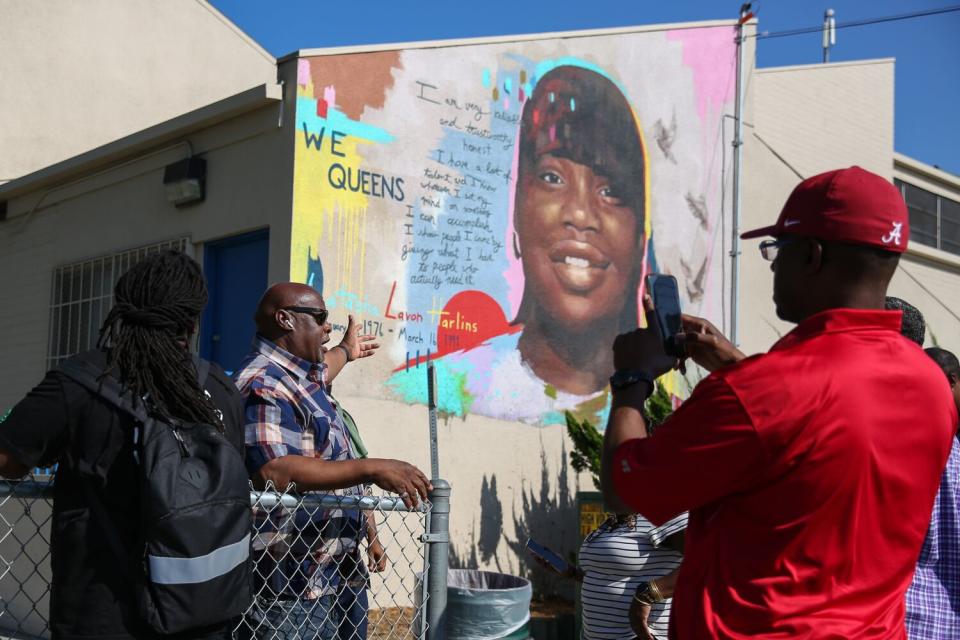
351 425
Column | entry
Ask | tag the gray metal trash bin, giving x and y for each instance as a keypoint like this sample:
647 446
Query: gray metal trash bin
483 605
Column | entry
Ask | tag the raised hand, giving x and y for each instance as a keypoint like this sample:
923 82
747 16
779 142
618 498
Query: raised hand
356 345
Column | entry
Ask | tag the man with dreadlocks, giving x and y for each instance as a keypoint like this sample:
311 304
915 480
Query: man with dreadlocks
313 583
143 343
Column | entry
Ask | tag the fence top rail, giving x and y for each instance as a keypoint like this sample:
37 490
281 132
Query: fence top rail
267 499
26 489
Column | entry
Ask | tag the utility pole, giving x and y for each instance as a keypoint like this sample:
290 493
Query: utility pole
829 33
745 16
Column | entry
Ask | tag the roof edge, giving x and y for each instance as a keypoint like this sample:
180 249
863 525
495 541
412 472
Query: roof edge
827 65
526 37
230 24
145 139
917 166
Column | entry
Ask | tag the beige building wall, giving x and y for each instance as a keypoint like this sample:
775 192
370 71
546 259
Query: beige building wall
929 278
804 120
80 74
123 206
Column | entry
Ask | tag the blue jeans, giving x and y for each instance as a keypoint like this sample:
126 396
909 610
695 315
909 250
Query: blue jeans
292 619
352 610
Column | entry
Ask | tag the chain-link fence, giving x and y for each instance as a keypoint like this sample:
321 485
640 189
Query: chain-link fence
350 567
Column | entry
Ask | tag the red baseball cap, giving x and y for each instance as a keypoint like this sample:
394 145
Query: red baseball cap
846 205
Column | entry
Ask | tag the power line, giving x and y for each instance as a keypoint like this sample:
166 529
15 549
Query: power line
856 23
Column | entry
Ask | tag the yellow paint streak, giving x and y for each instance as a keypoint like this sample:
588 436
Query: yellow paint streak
647 224
328 222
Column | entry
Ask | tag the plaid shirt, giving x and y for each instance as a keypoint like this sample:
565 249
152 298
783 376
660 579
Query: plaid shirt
288 411
932 599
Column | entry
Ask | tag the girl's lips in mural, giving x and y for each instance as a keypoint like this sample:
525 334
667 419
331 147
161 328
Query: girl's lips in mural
579 266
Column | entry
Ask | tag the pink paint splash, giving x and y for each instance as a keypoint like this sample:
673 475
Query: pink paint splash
303 72
514 272
330 95
703 49
710 54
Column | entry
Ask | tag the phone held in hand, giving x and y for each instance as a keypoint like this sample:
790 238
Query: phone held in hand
666 302
557 563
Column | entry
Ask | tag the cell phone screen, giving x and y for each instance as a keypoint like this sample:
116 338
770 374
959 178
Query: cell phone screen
559 564
666 302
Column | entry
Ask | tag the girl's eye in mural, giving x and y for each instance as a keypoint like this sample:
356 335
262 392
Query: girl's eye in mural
551 177
609 195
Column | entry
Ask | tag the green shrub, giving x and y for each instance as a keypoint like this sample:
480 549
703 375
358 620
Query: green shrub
588 441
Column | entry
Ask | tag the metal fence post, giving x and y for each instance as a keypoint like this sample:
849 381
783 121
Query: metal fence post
438 549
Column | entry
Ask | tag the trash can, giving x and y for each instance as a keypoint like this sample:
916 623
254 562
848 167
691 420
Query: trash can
483 605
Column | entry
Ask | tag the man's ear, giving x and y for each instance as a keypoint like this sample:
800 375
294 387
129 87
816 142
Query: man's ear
283 320
814 257
953 378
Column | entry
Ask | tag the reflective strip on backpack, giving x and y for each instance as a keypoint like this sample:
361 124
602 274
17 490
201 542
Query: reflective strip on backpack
165 570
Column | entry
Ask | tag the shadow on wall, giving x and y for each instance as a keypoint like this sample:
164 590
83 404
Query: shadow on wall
548 515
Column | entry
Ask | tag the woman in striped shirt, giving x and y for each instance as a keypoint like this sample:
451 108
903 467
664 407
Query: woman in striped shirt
627 568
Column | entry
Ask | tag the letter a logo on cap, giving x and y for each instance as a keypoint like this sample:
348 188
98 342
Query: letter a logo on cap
894 235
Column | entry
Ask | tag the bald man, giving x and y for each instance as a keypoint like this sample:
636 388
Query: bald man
294 435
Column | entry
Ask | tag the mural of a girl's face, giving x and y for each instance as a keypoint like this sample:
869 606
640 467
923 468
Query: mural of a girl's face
580 204
579 240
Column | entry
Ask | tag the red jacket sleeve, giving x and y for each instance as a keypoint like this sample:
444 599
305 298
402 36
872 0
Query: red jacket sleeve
707 449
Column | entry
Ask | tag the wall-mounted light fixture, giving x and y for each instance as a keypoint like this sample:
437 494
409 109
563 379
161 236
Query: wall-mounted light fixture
185 181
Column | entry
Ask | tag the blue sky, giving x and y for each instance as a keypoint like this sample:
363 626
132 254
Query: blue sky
927 49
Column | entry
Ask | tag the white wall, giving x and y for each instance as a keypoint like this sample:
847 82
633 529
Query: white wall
77 75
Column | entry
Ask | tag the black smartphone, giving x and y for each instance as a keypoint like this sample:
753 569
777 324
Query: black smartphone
666 302
559 565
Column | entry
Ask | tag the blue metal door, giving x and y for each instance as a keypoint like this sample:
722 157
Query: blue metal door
236 271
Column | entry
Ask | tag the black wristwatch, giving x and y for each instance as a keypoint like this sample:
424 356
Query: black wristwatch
625 378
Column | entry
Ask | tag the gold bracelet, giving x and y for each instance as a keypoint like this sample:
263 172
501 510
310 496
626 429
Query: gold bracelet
654 591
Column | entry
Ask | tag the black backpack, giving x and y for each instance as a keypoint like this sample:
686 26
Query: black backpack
192 565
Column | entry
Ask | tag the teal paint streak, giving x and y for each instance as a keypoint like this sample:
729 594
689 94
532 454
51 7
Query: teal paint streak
553 417
336 121
548 65
452 397
486 78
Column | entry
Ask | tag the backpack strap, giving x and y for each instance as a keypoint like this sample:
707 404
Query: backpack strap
91 377
203 369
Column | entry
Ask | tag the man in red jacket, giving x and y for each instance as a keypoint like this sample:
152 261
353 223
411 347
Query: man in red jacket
808 494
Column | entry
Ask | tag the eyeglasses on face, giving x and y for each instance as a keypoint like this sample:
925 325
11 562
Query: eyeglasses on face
320 315
769 249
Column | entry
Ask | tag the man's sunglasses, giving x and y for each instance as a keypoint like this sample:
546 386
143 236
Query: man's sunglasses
769 249
320 315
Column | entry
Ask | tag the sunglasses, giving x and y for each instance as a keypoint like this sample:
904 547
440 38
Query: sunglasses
320 315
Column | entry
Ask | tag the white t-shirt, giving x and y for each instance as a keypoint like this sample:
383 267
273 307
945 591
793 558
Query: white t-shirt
617 558
503 386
